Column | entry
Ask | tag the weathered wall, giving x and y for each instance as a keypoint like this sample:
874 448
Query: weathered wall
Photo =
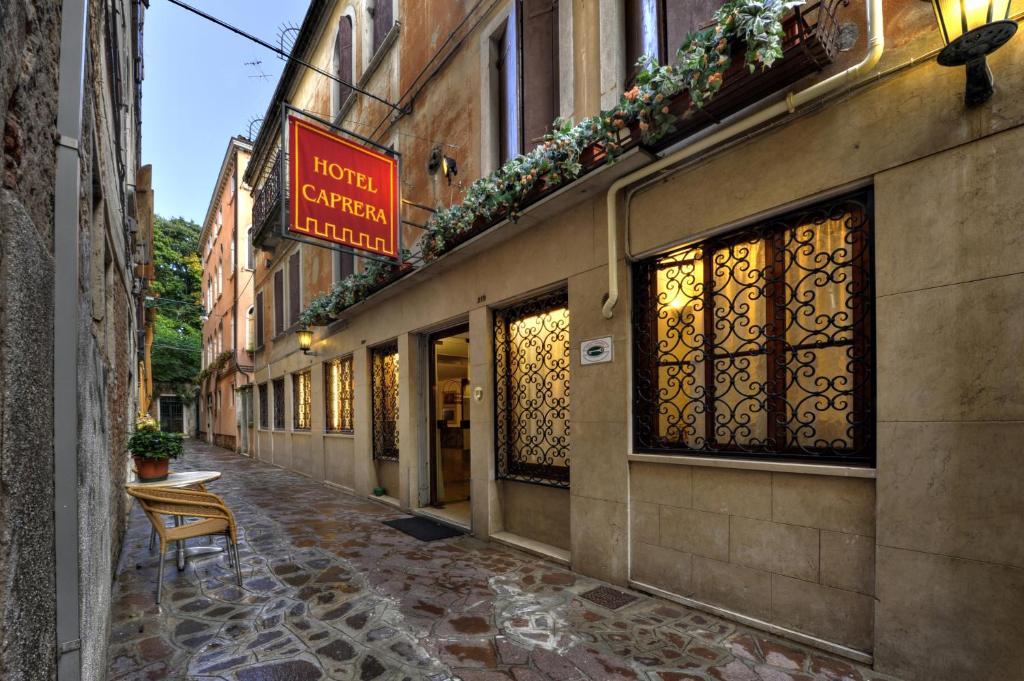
29 38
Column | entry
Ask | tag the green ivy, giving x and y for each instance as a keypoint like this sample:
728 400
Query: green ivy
215 366
698 69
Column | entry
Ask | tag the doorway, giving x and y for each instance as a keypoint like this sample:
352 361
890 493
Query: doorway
449 419
171 414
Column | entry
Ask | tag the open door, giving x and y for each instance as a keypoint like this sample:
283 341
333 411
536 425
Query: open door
449 418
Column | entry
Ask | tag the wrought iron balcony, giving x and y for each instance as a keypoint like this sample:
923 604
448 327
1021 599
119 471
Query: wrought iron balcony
266 208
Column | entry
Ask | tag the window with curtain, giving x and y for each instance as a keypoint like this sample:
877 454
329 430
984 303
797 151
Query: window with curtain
278 404
250 256
264 407
250 329
338 393
531 345
302 399
760 342
659 27
384 375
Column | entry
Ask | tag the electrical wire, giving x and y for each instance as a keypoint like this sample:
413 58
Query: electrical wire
283 54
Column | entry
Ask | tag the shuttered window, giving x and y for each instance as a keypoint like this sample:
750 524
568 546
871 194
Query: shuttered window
539 31
343 55
527 73
294 288
259 319
278 302
344 265
264 407
659 27
278 404
383 18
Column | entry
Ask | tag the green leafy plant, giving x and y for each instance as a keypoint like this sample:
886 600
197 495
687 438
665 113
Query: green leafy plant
149 442
215 367
699 68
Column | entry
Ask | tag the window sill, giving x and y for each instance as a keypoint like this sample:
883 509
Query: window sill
385 46
340 433
838 471
305 431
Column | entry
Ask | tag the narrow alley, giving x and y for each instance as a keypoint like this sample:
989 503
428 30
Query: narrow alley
331 592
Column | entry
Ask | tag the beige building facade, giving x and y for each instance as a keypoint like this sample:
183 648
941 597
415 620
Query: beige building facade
798 402
228 327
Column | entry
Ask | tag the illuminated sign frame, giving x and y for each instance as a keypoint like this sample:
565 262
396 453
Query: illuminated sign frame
298 224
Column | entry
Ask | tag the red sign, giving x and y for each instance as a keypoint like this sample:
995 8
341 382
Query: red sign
341 191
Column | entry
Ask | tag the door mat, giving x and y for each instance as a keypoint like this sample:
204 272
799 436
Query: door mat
423 529
606 597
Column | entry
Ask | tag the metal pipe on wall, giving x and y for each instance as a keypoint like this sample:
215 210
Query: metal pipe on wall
70 92
876 45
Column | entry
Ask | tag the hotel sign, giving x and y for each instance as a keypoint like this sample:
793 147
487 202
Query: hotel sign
340 191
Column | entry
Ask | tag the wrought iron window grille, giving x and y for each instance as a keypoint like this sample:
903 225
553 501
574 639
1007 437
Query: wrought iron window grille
784 310
385 401
338 384
301 400
278 404
531 361
264 407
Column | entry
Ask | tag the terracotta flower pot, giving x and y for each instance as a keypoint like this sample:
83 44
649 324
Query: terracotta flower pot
152 470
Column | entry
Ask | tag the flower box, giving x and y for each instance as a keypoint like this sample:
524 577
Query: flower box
811 43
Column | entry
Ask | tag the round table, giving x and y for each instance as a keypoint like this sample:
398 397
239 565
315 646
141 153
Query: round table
185 479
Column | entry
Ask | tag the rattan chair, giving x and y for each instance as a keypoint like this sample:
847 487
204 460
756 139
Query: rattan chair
152 533
215 519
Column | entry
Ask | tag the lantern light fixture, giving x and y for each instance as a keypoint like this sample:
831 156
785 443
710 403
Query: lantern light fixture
305 340
971 30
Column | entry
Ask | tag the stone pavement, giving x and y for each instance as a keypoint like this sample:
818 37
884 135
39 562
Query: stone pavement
329 592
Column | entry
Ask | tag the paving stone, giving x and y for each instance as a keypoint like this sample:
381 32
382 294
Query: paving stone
327 593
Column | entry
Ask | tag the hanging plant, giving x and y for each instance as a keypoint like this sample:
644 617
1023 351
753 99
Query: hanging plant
699 68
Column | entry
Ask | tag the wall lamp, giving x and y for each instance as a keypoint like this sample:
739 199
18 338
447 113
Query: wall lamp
305 341
971 30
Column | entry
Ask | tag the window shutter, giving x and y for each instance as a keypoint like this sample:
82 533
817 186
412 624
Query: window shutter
259 319
683 18
383 17
278 302
508 89
294 290
539 31
344 56
346 265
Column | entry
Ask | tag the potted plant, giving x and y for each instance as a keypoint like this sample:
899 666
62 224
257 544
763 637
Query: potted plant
153 449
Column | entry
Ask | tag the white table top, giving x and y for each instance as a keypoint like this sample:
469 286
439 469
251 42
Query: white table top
180 479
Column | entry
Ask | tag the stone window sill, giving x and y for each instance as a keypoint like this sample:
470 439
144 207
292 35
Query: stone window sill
758 465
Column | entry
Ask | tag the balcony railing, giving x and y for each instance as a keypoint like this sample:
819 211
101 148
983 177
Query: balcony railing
266 206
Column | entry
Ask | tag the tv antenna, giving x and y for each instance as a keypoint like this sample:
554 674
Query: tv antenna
256 65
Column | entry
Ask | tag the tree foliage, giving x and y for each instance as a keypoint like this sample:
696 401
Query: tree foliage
177 333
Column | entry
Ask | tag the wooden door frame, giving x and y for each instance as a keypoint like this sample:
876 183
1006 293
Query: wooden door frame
432 393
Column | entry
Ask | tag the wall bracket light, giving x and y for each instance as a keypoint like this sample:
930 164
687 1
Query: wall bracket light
305 340
971 30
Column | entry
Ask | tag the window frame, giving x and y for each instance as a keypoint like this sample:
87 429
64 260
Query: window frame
302 407
264 398
773 287
384 449
344 394
506 467
279 402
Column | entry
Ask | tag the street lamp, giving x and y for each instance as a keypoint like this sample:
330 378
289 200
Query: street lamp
305 340
971 30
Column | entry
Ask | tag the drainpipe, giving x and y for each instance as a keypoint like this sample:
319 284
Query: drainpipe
71 77
876 44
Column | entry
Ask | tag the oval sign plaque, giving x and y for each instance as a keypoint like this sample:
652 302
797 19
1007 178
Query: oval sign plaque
596 350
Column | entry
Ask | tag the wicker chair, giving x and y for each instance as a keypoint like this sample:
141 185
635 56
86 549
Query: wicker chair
215 519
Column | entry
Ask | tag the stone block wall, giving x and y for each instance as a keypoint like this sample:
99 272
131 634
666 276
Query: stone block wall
795 550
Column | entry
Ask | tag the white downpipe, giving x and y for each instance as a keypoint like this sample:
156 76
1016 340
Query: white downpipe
876 45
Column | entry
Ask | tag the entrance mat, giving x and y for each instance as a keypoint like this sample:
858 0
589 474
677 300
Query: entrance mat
610 598
423 529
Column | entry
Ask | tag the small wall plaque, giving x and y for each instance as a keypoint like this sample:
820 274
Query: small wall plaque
596 350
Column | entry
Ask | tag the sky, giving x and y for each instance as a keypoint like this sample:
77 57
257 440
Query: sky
198 91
